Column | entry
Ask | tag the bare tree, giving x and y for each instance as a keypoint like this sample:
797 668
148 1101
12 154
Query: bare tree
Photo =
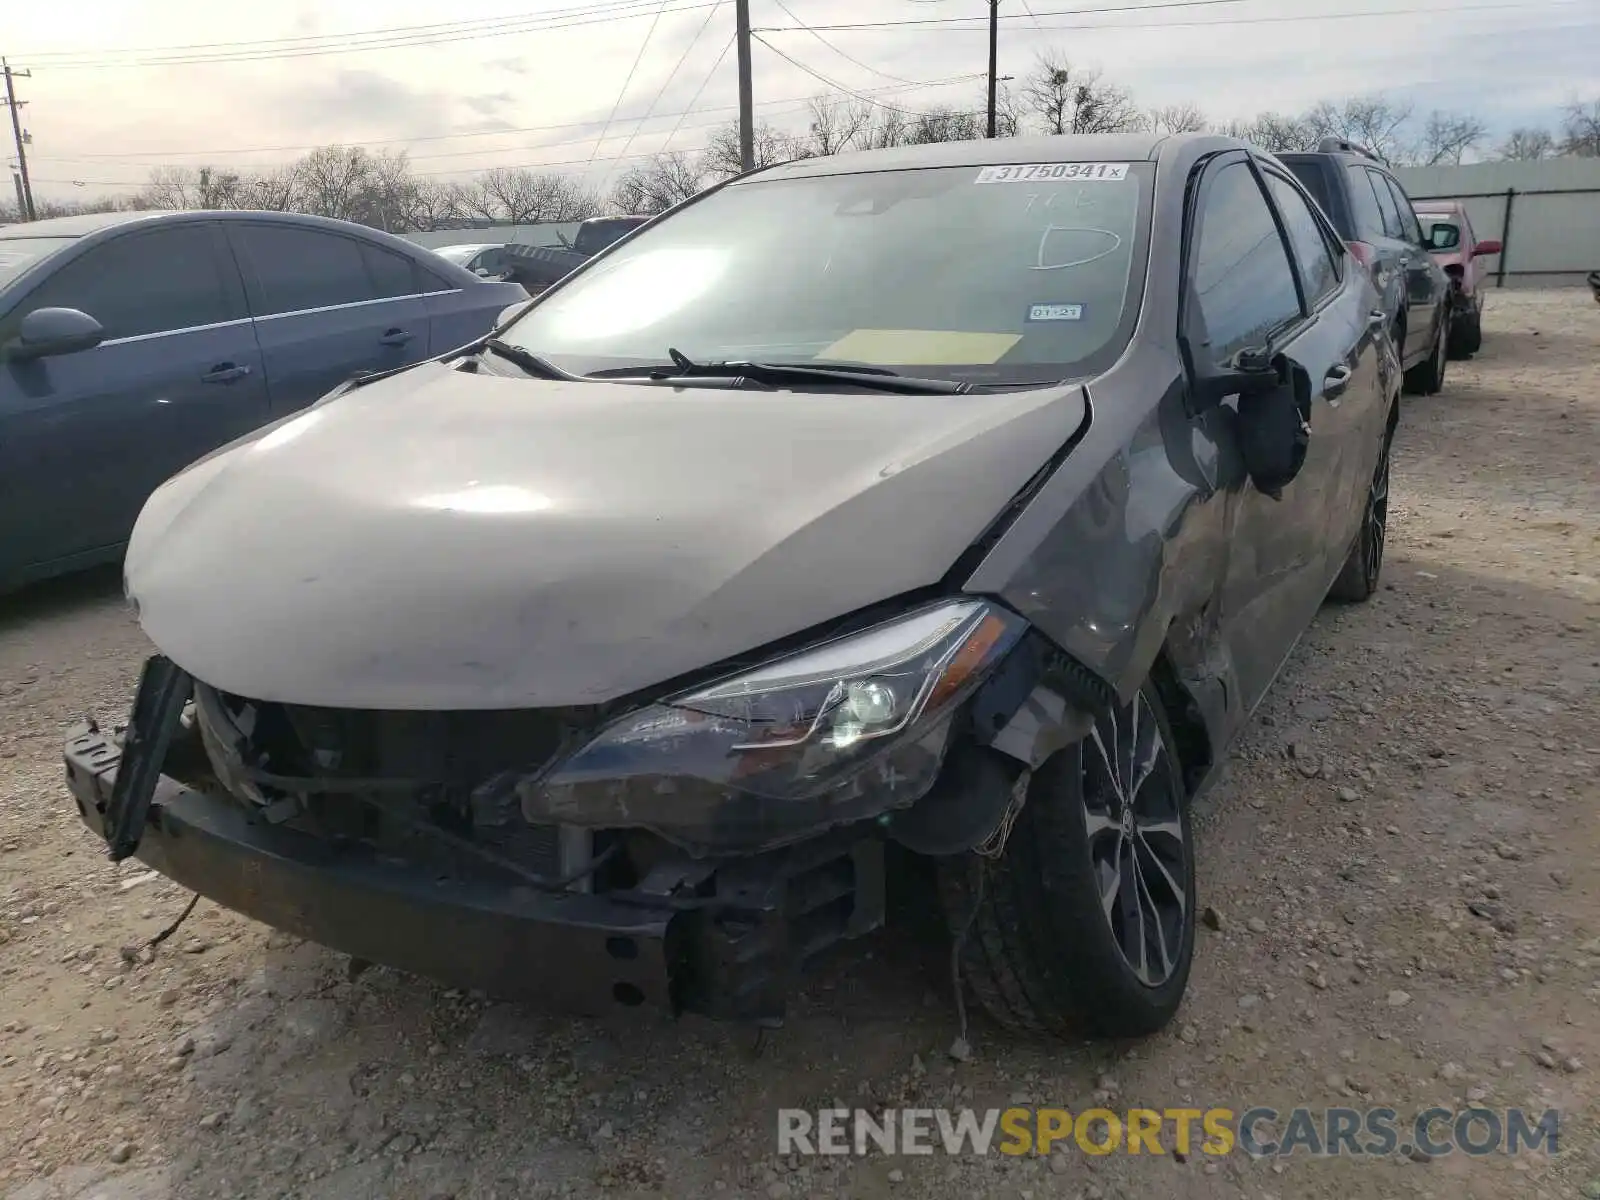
170 188
838 123
721 157
1373 121
335 180
1071 100
656 185
1528 145
891 127
1009 113
1176 118
1446 137
512 194
945 125
1580 129
275 190
1276 133
427 205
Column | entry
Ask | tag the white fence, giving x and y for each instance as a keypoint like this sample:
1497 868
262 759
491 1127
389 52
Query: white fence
1547 214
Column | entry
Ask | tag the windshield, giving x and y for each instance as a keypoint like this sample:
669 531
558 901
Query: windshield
1019 274
17 254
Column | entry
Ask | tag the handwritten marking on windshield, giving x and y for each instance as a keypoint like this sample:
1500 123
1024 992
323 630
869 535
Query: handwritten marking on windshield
1040 264
1052 172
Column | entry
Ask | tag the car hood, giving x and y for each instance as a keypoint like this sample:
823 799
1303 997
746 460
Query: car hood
1449 258
445 540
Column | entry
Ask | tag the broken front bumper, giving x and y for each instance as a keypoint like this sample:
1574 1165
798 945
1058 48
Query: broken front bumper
733 950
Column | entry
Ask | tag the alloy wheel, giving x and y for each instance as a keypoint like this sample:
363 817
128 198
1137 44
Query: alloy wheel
1137 848
1377 518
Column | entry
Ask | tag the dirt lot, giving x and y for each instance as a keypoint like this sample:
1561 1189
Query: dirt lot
1408 902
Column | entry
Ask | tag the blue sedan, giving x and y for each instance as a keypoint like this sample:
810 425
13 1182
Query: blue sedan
132 344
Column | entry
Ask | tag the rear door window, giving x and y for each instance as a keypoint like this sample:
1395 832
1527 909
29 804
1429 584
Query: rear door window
1242 279
1411 228
297 269
1386 205
391 274
1364 203
155 281
1317 270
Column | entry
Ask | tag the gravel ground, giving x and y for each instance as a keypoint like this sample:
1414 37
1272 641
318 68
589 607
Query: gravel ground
1401 859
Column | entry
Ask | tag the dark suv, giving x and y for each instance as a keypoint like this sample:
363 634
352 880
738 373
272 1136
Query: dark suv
1373 214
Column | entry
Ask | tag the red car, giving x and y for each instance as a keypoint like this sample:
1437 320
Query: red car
1457 249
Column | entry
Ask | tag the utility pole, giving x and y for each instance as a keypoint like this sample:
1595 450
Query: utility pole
994 58
747 119
26 185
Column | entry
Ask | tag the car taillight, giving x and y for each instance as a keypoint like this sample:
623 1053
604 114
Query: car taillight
1362 253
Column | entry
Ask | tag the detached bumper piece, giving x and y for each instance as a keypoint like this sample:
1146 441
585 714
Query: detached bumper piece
724 938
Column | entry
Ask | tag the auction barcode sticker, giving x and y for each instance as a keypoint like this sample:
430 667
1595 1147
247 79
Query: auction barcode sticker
1052 172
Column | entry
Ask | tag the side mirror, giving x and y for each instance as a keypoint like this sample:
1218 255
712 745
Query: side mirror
1489 247
481 272
1443 237
1252 373
49 331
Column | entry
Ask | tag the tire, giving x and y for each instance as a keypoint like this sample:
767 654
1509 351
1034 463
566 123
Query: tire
1427 378
1466 335
1358 578
1035 943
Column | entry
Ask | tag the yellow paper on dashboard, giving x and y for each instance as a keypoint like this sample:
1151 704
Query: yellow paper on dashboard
925 347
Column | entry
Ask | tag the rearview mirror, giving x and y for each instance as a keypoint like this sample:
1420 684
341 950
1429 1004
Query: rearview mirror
1482 248
50 331
1444 236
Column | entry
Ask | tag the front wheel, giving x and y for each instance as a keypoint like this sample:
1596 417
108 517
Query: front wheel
1359 577
1085 924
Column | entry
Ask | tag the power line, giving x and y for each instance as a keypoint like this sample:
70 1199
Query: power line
146 157
332 38
793 103
848 58
667 82
517 26
983 20
964 25
839 87
711 74
628 79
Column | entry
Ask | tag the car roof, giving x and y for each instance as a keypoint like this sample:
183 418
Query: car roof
86 223
472 246
74 226
1452 207
1081 147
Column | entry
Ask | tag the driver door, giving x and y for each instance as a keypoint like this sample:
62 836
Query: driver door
1245 293
86 437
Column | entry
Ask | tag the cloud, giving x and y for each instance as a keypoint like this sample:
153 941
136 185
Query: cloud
552 89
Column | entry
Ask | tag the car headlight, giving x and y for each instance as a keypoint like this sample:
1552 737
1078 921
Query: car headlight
841 729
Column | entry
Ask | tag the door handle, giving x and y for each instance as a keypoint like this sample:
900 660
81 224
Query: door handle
1377 319
396 337
224 373
1335 381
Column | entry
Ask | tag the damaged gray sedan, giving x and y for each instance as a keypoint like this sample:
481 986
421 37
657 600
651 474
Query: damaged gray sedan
966 497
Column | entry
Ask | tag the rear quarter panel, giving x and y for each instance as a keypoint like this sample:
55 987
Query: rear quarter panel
462 314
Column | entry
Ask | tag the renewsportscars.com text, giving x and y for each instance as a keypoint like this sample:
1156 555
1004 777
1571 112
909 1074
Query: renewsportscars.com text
1257 1131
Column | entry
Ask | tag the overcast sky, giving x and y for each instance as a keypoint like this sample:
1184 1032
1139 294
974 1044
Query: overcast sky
488 83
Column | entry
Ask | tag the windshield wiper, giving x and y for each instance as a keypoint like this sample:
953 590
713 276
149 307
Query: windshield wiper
530 362
778 374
